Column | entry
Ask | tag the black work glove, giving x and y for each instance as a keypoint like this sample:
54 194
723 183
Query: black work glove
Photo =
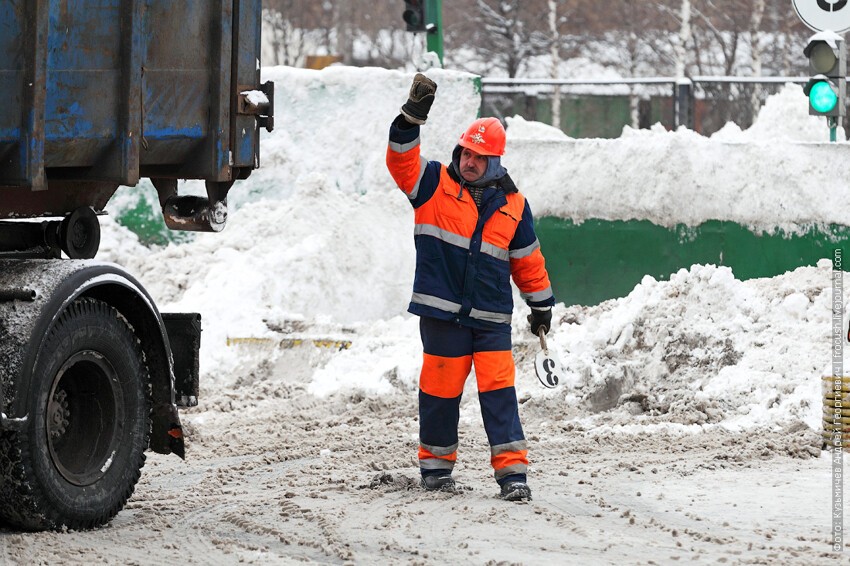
540 319
419 100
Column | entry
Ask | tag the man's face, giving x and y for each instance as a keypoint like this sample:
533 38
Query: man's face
472 165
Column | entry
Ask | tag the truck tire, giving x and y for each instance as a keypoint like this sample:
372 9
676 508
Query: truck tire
78 459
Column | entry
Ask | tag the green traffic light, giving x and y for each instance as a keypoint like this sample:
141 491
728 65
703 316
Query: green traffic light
822 97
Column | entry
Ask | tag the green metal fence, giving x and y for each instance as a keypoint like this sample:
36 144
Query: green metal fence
600 259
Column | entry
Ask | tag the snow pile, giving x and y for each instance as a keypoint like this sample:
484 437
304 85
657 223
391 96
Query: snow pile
335 122
701 349
683 178
322 254
767 177
784 117
704 348
117 244
324 249
518 128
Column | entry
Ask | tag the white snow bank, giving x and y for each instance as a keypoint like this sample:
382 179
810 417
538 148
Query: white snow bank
335 122
784 117
705 348
772 175
702 349
321 254
519 128
330 246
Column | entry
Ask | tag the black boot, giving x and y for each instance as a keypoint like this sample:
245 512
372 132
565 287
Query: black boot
515 491
438 482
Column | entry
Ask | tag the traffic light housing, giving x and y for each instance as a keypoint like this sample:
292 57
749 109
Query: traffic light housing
827 86
414 15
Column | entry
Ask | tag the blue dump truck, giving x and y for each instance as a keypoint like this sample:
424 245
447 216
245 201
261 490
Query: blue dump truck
95 94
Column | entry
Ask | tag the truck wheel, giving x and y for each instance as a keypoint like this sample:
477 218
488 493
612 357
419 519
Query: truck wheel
78 460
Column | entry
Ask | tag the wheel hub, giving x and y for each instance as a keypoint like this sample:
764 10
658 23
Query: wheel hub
58 414
83 416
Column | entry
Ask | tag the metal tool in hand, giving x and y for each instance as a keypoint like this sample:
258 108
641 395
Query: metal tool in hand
546 364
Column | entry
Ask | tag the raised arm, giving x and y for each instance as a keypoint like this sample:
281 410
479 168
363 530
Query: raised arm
412 172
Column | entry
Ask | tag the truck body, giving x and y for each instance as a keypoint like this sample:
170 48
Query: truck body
97 94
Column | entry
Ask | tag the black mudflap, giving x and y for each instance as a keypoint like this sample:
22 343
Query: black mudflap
184 335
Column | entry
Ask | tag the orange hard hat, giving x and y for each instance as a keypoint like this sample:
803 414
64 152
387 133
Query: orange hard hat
485 136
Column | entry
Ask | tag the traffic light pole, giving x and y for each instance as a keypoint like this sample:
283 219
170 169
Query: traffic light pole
833 127
434 35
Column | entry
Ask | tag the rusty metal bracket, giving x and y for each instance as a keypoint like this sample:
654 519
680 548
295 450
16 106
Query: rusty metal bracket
263 110
194 213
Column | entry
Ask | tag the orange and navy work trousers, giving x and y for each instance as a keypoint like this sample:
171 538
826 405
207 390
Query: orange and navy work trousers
450 351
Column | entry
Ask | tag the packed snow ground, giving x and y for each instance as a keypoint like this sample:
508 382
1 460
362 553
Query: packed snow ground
688 427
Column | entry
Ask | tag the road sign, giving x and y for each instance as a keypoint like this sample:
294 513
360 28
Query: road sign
823 15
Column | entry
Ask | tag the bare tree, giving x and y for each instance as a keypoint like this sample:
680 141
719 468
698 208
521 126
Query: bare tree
666 39
635 39
685 32
293 30
350 29
755 50
555 54
784 52
286 41
504 34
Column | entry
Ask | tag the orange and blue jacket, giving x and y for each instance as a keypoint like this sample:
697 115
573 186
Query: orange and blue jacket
465 256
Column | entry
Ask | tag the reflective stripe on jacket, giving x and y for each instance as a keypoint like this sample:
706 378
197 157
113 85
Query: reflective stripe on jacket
465 257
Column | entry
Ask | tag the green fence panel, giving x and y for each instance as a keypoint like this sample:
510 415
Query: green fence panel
138 209
588 116
598 260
